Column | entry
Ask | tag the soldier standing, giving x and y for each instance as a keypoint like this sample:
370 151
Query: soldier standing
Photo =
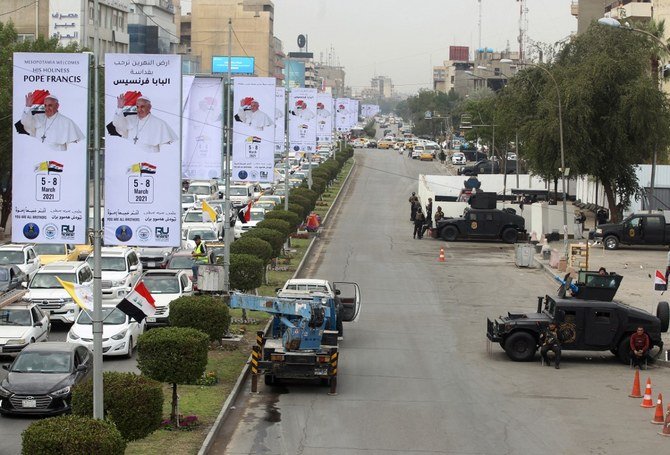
419 220
413 203
550 342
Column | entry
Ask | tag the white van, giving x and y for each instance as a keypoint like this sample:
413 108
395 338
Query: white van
241 194
203 189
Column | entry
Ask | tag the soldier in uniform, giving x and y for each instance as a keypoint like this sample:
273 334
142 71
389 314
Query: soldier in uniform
550 342
413 204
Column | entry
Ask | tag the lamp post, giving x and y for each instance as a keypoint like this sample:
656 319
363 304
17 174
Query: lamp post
611 22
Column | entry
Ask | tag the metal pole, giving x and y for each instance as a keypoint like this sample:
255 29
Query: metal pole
516 149
286 130
309 172
565 196
493 146
98 409
37 19
651 198
229 139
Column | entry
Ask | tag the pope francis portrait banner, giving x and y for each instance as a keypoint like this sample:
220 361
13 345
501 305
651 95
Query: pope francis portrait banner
253 129
324 118
49 165
302 120
142 149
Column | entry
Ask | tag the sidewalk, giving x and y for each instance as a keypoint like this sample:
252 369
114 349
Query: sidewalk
637 265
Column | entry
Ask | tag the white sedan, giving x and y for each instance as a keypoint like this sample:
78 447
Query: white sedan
257 215
22 323
119 332
458 158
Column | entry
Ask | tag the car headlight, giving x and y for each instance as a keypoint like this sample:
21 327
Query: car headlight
120 336
5 393
122 293
61 392
16 341
117 283
599 231
73 335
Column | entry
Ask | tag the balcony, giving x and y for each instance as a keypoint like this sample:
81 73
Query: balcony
628 9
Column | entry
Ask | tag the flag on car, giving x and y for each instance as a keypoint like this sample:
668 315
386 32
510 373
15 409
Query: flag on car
208 213
82 294
138 304
245 213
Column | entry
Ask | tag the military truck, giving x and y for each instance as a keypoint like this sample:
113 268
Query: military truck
588 320
649 228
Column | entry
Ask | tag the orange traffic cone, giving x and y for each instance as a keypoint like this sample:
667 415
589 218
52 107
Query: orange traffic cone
441 258
666 425
636 393
658 416
646 401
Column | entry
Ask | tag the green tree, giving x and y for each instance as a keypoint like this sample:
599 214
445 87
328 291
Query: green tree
8 45
438 103
246 272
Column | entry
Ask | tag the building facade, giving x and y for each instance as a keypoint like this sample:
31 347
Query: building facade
331 79
152 28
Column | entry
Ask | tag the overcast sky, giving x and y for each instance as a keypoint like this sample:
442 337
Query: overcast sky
404 39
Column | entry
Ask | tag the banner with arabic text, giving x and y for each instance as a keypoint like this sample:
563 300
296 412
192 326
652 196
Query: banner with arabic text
324 114
302 120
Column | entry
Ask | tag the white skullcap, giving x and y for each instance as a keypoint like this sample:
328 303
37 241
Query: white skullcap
53 97
144 98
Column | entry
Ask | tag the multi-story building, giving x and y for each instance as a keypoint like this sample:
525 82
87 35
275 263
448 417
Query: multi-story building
586 11
279 56
331 79
253 32
152 28
71 21
382 86
492 69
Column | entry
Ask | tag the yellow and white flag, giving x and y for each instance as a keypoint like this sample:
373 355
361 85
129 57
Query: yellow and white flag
208 213
81 294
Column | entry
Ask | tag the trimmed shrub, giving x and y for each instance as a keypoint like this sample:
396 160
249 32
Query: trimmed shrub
132 402
278 225
304 192
307 204
290 217
72 434
246 272
177 355
297 209
274 238
254 246
205 313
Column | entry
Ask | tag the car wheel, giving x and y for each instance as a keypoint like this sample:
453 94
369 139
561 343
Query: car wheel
129 355
521 346
509 235
270 379
449 233
663 313
32 340
611 242
623 353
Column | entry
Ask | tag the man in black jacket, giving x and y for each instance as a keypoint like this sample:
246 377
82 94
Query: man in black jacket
551 342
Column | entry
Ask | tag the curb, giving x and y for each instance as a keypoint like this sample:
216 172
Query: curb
550 273
241 379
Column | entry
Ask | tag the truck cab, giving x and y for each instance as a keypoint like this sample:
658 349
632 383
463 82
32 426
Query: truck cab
636 229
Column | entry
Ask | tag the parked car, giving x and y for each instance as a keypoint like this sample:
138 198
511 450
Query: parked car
45 290
11 277
165 286
458 158
119 332
182 260
121 268
40 380
203 189
22 323
188 201
257 215
23 256
372 144
194 219
265 205
52 252
635 229
206 235
155 257
242 194
276 198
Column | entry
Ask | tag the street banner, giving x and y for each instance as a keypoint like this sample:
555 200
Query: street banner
143 149
660 282
342 119
353 113
280 121
253 129
369 110
50 148
202 127
324 116
302 120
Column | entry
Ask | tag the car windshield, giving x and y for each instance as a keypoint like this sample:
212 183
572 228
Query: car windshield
42 362
267 205
205 234
161 284
4 275
238 191
110 263
187 198
257 216
49 281
15 316
49 248
110 316
181 262
193 217
201 190
11 257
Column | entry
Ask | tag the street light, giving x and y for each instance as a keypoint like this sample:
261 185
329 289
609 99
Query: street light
560 131
611 22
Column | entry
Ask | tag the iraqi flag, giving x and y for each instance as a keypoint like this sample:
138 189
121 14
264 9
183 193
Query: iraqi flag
138 304
245 213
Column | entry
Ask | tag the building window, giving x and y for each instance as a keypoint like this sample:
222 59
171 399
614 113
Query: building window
452 79
496 71
25 37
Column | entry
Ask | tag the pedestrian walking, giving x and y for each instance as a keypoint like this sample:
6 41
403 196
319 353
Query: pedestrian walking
413 202
419 221
550 342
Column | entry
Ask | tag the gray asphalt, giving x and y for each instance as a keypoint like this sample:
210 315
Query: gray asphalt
414 373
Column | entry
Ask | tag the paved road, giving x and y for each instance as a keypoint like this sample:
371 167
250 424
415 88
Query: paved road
414 375
12 427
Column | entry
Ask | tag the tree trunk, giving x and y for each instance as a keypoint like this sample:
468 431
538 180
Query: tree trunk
611 202
173 412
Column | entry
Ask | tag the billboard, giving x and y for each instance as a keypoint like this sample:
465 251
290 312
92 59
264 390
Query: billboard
254 129
342 115
369 110
302 119
143 149
280 119
324 118
50 150
202 127
294 73
238 65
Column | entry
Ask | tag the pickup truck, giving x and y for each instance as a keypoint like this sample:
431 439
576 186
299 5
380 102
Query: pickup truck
636 229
